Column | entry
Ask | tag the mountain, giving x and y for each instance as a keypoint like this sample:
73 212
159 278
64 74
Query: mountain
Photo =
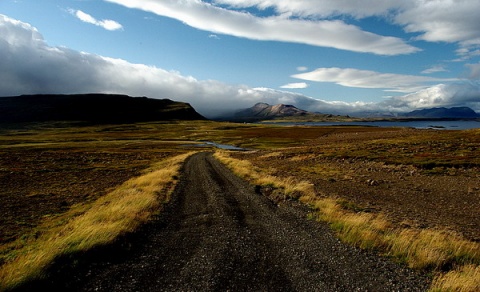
93 108
264 111
284 112
443 113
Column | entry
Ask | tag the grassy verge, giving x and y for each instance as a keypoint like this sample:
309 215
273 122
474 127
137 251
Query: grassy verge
119 212
454 260
292 188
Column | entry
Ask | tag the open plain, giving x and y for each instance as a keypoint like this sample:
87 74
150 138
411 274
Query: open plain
416 179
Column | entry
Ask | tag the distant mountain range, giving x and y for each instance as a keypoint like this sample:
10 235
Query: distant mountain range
112 108
264 111
443 113
92 108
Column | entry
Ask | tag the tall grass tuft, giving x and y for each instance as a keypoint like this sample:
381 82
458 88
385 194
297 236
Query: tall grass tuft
119 212
433 249
463 279
426 249
361 229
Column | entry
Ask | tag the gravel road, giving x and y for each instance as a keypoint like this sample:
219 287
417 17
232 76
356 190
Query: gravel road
217 234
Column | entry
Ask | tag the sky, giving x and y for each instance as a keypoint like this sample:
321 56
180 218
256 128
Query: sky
330 56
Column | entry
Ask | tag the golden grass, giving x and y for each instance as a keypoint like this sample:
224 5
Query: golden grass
434 248
361 229
292 187
463 279
419 248
119 212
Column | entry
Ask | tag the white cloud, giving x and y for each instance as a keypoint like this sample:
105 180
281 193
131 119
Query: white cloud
465 53
440 95
295 85
369 79
442 20
434 69
106 23
452 21
302 68
324 33
17 33
29 66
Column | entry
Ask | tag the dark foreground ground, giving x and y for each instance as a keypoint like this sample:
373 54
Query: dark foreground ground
217 234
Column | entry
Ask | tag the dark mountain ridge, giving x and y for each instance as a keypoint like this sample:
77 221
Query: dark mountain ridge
443 113
263 112
93 108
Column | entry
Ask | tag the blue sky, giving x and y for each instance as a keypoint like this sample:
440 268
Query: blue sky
332 56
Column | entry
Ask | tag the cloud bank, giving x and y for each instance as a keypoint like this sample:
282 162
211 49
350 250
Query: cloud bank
370 79
28 65
440 95
324 33
106 23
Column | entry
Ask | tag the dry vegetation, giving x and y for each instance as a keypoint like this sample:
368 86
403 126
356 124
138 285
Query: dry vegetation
410 194
118 212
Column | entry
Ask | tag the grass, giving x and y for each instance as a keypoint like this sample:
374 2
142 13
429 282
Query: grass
462 279
292 188
420 248
454 260
119 212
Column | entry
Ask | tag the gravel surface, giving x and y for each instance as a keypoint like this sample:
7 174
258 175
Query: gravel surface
217 234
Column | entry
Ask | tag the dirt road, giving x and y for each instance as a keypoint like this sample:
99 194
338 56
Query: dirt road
217 234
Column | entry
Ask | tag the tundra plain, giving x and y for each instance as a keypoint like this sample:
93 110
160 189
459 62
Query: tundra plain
416 180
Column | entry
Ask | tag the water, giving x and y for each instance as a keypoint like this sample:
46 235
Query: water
224 146
439 125
217 145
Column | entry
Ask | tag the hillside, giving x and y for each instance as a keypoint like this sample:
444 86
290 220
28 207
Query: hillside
93 108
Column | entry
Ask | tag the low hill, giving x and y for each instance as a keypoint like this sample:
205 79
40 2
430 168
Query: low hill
92 108
443 113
